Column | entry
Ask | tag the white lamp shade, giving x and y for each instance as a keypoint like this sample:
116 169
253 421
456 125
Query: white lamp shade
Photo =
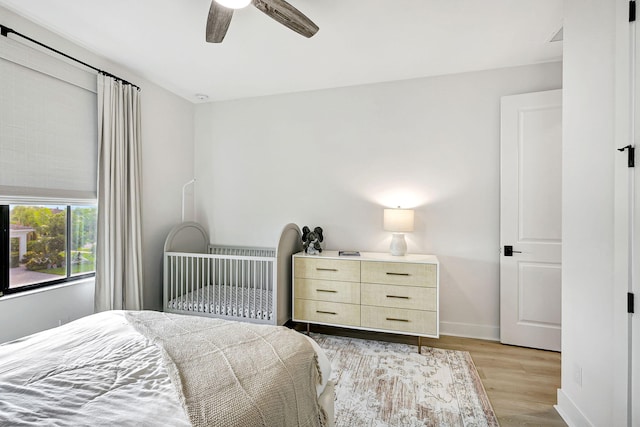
234 4
398 220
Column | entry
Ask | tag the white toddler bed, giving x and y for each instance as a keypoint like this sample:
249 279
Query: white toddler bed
233 282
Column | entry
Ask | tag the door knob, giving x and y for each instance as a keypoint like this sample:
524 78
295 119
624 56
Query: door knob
508 251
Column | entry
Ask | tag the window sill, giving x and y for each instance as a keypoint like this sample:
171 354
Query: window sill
47 288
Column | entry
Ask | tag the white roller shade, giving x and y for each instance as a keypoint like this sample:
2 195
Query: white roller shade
48 126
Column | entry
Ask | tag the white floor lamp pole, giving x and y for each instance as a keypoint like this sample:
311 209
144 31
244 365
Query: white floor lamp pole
184 187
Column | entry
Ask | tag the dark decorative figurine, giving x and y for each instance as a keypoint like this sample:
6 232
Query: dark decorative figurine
311 240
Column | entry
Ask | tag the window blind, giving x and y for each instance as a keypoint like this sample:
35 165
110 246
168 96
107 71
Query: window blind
48 126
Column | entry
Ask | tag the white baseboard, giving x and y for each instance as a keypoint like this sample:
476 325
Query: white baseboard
469 330
570 412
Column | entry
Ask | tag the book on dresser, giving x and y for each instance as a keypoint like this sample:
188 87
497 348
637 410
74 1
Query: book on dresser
372 291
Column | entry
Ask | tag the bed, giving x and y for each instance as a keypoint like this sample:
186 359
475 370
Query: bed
250 284
148 368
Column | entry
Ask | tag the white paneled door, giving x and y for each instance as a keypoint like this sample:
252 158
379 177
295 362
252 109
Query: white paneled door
530 220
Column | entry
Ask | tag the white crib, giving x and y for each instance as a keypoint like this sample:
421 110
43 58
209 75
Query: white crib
232 282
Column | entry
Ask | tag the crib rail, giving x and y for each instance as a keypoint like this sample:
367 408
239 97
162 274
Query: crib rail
231 282
241 251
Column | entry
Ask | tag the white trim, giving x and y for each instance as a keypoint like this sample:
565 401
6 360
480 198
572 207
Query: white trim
570 412
22 294
470 330
624 272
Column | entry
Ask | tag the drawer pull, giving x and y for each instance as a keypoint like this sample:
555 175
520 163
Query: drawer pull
396 320
326 269
327 290
398 274
397 296
326 312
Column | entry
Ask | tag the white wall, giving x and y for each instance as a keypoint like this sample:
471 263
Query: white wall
589 161
334 158
167 162
34 311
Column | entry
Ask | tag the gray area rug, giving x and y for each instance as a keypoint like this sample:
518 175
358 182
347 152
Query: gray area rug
389 384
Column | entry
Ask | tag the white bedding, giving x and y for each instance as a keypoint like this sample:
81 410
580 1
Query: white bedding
324 363
86 372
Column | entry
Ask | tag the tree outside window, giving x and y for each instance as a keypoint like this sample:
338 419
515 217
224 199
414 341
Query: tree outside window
50 243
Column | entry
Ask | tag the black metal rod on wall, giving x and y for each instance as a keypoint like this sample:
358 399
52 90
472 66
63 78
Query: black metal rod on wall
5 31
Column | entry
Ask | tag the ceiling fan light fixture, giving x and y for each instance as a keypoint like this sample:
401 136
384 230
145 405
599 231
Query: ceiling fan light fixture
234 4
221 12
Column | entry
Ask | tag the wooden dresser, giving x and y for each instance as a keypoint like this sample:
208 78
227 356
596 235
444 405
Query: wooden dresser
373 291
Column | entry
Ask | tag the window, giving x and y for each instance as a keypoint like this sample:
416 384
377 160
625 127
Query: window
48 168
46 245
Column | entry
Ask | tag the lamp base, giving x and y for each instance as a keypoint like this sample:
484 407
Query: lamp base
398 245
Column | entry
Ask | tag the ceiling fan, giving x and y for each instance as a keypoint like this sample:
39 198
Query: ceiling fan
221 11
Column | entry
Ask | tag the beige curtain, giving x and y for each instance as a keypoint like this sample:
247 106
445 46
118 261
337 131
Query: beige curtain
118 254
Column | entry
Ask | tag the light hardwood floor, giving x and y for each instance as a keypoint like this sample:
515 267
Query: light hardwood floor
521 383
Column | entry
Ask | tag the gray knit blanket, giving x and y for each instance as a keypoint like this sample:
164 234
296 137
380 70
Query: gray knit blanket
236 374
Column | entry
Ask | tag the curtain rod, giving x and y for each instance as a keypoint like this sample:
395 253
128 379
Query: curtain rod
5 31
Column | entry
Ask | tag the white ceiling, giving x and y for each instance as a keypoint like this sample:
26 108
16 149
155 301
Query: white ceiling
359 42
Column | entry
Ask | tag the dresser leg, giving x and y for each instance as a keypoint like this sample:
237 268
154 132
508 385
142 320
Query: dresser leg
419 345
308 327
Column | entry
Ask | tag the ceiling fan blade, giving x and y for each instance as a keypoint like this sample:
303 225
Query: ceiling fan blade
218 22
288 16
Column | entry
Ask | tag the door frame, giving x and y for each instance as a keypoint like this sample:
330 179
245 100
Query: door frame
626 265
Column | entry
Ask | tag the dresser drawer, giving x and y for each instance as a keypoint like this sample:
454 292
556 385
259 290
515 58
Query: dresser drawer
327 290
326 312
327 269
398 296
400 273
398 319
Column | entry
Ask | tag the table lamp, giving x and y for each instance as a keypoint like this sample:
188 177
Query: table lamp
398 221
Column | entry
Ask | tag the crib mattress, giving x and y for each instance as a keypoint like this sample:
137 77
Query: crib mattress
227 301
